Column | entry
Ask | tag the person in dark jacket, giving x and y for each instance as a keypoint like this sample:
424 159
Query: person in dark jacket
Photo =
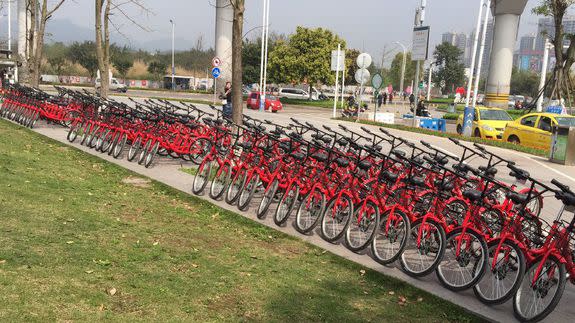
227 103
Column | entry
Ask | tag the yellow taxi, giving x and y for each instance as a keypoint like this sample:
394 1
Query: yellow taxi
534 129
488 123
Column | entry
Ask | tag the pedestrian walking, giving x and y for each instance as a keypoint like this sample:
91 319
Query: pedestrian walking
226 98
379 100
391 98
384 98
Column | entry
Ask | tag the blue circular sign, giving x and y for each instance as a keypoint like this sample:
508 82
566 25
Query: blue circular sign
216 72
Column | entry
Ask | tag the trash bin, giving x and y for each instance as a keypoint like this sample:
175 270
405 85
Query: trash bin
451 108
563 145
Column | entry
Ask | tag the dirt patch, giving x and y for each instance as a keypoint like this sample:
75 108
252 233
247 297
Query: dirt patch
137 182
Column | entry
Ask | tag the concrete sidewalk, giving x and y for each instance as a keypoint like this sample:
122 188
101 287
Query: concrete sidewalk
168 172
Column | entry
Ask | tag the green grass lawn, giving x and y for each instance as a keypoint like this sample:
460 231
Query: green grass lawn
86 240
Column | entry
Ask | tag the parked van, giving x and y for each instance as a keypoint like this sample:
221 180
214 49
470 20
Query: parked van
298 94
115 85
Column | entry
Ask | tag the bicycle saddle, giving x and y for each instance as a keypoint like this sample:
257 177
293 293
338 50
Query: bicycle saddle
472 195
342 162
364 165
517 198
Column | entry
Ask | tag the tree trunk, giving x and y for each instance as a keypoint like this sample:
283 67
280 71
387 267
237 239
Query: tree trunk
103 46
237 72
39 46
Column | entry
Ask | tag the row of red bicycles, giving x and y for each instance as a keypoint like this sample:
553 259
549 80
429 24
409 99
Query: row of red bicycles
146 129
405 203
416 205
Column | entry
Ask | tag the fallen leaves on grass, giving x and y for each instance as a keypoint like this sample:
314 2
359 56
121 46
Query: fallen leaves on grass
112 291
70 242
402 301
362 272
3 261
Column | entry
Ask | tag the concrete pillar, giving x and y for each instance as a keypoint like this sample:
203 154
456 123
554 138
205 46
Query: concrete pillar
507 15
23 23
224 32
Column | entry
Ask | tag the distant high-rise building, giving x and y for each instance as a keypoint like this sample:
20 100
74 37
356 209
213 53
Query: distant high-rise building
528 57
527 43
546 28
449 37
458 40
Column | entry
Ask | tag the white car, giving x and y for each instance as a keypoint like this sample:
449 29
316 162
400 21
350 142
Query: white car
115 85
293 93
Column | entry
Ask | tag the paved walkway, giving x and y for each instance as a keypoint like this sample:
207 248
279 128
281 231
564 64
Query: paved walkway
168 172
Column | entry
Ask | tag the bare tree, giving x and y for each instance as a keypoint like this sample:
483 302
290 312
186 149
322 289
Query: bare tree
103 45
562 84
39 16
104 10
237 72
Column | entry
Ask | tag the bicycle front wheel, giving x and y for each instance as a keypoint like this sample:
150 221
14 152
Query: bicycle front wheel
362 226
336 217
464 261
539 294
309 211
391 236
424 249
504 273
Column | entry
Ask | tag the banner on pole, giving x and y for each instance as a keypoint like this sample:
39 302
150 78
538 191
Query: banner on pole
337 56
420 46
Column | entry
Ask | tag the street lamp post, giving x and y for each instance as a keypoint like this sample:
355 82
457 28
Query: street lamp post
401 88
429 80
173 56
543 75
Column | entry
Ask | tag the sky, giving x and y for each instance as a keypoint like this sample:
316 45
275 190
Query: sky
368 25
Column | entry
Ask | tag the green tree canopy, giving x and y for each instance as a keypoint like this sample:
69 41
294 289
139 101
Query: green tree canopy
157 68
451 70
395 71
304 58
56 55
524 83
85 55
122 59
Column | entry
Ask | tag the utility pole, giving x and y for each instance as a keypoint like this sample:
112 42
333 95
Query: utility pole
481 51
401 82
469 113
419 19
173 56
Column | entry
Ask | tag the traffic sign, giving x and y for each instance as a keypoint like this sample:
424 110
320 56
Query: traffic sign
362 76
216 72
216 62
363 60
377 81
337 57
